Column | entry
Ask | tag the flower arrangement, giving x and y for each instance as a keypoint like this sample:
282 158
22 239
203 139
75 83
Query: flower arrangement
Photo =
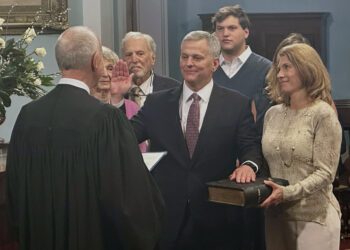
21 71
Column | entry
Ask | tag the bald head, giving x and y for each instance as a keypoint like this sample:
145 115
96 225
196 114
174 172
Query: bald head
75 48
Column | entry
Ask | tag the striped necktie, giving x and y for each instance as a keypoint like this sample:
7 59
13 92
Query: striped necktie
136 94
192 125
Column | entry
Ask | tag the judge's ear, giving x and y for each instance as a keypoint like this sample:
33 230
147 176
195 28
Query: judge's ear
97 65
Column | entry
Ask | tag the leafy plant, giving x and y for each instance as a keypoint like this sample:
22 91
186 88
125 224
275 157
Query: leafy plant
21 71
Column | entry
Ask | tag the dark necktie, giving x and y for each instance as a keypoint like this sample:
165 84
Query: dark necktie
192 126
135 95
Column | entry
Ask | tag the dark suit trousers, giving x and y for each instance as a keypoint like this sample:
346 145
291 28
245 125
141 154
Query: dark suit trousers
195 236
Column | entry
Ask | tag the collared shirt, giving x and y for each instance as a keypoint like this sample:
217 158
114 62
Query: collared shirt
146 87
119 104
185 104
75 83
231 68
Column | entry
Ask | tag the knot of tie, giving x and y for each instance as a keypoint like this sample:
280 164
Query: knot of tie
136 91
195 97
136 94
192 125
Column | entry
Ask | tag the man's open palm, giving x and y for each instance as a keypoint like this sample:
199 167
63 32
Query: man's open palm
121 78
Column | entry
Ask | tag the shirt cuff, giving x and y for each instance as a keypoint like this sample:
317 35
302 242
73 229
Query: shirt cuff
251 164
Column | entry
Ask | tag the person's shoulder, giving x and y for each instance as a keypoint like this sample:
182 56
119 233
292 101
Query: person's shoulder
323 109
105 108
166 80
165 93
106 113
63 95
161 99
323 113
231 93
278 108
260 60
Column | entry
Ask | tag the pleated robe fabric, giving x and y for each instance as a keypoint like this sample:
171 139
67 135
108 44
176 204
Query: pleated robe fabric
76 178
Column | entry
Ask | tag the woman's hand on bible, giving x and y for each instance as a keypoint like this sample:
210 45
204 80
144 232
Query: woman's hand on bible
276 197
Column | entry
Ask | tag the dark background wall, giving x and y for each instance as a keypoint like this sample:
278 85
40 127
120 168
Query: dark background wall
183 17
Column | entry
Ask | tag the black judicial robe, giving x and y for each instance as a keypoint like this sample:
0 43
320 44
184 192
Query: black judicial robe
76 178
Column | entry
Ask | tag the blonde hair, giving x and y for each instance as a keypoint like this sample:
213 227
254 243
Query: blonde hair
109 55
312 72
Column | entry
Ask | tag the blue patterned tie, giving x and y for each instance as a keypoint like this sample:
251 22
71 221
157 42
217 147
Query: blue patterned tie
192 126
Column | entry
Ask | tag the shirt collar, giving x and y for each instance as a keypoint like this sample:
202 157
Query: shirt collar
119 104
75 83
204 92
146 85
242 57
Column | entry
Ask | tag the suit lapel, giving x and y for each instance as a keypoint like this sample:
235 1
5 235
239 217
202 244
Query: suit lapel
155 83
176 137
210 118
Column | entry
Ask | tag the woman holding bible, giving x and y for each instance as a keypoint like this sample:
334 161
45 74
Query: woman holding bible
301 143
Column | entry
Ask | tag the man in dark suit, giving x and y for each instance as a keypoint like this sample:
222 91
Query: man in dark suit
204 128
75 175
139 52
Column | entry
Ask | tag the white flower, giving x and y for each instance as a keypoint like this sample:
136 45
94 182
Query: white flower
28 40
29 35
30 32
2 20
37 82
40 66
40 52
31 75
2 43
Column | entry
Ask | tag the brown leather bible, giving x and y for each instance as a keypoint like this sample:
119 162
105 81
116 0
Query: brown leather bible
241 194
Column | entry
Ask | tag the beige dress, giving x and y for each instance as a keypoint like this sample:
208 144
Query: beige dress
303 147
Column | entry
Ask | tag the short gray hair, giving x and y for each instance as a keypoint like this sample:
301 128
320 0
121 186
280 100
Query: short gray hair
213 42
138 35
109 55
75 48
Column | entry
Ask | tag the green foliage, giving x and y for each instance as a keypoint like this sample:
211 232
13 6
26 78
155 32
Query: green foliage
20 71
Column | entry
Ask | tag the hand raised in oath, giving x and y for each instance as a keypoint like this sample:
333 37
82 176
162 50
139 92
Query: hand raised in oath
121 80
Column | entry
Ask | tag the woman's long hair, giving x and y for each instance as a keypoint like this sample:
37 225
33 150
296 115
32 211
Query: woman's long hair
313 74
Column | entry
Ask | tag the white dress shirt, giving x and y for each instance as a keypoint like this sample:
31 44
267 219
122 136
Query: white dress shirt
231 68
75 83
146 87
185 104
